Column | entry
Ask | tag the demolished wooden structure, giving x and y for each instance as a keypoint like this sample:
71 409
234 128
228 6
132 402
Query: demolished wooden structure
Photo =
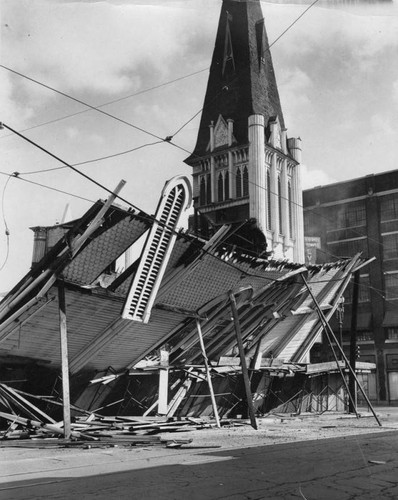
190 318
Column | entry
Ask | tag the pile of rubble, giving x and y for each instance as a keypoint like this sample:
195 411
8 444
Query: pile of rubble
29 426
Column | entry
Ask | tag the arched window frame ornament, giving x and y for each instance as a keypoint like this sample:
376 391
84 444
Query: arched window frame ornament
226 185
290 207
269 210
202 190
245 181
279 204
238 183
220 187
208 188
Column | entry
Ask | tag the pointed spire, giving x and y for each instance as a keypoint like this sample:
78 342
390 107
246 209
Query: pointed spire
241 80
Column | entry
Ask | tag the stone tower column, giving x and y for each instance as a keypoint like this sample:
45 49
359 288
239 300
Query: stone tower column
295 149
285 202
257 178
274 200
212 166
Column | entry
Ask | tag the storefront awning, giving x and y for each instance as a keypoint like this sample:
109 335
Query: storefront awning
391 318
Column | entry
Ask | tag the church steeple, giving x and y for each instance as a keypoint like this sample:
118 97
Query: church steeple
244 166
242 80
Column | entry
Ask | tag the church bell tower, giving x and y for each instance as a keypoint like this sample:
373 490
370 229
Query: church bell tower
244 165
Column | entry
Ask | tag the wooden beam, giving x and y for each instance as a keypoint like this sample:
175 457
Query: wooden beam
64 359
206 361
352 406
163 382
245 373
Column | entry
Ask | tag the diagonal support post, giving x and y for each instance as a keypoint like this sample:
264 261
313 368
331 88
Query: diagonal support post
333 336
245 373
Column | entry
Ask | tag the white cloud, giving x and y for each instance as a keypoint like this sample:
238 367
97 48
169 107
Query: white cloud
100 47
314 177
12 111
395 92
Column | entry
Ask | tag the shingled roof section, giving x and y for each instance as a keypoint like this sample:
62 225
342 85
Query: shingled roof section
244 85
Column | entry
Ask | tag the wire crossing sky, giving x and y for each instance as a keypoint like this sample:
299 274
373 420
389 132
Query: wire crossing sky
336 71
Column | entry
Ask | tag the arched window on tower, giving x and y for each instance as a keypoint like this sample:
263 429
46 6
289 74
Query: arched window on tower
220 187
208 188
202 192
226 186
280 204
238 183
245 182
268 200
290 201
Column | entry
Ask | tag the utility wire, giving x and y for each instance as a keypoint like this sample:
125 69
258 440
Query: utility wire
141 214
93 160
167 139
17 176
7 231
112 102
268 49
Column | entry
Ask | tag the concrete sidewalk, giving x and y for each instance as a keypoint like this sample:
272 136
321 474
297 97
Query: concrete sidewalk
20 463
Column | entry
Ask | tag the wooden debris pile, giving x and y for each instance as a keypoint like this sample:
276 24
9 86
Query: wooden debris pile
29 426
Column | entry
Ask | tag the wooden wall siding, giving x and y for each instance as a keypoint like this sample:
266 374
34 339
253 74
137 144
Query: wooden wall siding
306 329
39 337
136 341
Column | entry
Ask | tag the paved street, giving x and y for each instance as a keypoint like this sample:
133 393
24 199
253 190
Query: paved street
357 467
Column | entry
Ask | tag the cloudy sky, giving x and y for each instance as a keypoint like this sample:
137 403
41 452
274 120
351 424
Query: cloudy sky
336 68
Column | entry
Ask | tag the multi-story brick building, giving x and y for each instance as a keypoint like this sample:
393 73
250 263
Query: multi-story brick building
361 215
244 165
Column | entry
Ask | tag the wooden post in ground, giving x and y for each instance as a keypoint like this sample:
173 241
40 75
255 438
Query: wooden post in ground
206 362
163 382
64 359
245 373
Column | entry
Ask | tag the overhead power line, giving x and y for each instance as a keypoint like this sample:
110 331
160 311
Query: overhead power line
16 175
140 213
114 101
167 139
94 159
98 108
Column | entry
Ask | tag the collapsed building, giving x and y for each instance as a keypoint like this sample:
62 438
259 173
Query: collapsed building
220 320
187 312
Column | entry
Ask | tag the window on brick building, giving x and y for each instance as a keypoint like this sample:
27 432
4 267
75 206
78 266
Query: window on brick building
392 333
349 215
348 248
391 286
364 336
389 207
390 246
363 290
